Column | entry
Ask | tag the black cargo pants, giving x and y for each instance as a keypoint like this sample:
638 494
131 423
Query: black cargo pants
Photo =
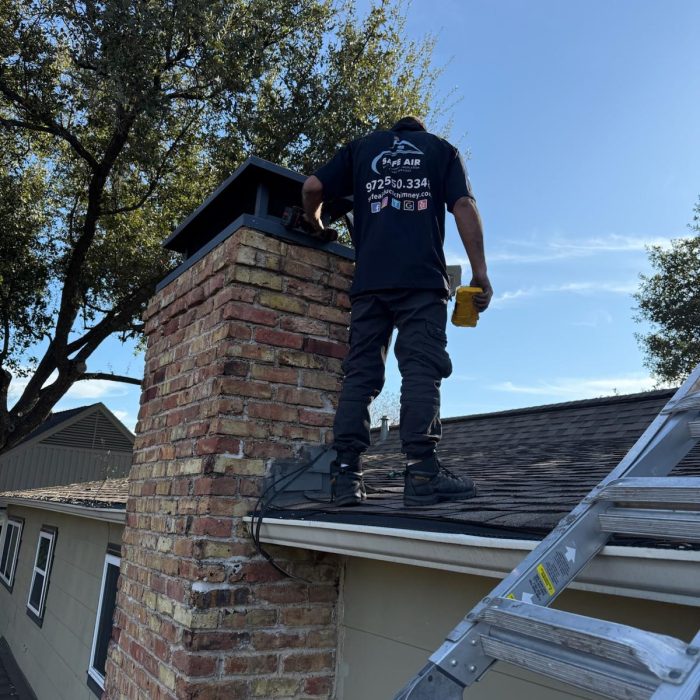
420 316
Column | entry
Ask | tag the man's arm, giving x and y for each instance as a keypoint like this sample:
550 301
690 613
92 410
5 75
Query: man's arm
312 198
470 231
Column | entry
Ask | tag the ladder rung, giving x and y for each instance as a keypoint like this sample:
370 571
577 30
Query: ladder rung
660 655
663 524
676 489
608 684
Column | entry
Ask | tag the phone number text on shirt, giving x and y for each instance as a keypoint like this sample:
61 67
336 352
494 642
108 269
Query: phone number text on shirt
410 183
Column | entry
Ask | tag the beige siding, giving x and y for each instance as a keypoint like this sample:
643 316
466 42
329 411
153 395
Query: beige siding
55 657
395 616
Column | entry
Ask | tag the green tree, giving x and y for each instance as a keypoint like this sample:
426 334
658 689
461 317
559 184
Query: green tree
670 300
118 117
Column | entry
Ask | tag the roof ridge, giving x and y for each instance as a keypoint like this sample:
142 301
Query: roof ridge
545 408
564 405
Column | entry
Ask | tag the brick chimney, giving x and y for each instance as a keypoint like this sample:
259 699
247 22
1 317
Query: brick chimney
245 341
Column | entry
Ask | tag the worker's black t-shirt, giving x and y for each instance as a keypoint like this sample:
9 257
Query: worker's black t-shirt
401 181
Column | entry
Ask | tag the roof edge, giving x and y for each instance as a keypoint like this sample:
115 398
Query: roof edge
109 515
668 576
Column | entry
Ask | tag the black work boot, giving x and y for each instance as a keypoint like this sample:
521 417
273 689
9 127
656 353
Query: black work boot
347 485
428 482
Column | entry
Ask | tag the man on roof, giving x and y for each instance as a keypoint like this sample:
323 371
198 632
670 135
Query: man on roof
401 179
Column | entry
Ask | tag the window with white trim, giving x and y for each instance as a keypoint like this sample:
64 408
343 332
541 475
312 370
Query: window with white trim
103 622
9 551
40 576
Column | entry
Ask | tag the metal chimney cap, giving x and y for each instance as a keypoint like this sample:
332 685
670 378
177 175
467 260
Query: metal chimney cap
384 430
254 196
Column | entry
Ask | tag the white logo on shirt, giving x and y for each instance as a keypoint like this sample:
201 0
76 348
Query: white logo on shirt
397 155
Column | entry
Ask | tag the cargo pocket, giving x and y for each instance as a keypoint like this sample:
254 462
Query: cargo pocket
438 348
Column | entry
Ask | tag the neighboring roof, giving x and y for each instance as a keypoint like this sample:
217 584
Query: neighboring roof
110 492
86 427
531 466
101 500
54 420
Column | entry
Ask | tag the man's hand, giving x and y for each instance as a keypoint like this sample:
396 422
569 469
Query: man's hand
469 226
482 301
314 222
312 197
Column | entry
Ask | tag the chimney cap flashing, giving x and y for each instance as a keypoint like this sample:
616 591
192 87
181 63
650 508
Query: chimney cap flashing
236 195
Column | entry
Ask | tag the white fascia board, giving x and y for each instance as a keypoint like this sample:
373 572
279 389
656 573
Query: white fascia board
667 575
108 515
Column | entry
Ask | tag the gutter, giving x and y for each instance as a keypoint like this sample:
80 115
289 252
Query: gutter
666 575
108 515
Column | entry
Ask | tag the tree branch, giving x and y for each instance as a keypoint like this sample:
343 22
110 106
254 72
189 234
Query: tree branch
50 126
110 377
158 174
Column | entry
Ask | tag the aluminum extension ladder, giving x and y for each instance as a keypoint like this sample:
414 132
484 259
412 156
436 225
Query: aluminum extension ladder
617 661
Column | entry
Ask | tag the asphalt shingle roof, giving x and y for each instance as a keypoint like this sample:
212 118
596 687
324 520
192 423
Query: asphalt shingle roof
110 493
531 465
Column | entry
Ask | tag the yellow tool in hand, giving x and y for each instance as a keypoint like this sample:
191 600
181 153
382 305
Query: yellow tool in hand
465 313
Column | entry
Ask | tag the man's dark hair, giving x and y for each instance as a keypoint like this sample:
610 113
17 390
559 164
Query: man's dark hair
409 121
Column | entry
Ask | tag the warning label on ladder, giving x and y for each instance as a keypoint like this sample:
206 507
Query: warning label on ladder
542 573
553 574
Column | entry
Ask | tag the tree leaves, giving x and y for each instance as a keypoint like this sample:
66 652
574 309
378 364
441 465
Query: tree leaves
117 118
670 300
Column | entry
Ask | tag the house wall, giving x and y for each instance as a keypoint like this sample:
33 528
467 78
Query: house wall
55 657
53 465
395 616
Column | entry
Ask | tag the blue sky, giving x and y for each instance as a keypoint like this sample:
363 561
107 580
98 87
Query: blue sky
581 119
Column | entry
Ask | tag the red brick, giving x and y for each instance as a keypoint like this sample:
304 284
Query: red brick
300 269
309 290
251 665
291 431
195 664
305 663
282 339
308 417
299 397
221 486
242 387
246 312
273 411
216 641
323 347
282 593
277 375
238 368
300 324
294 358
216 527
319 380
267 450
328 313
217 444
266 641
208 690
318 685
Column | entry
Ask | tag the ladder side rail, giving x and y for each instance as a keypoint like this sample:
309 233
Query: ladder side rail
690 690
